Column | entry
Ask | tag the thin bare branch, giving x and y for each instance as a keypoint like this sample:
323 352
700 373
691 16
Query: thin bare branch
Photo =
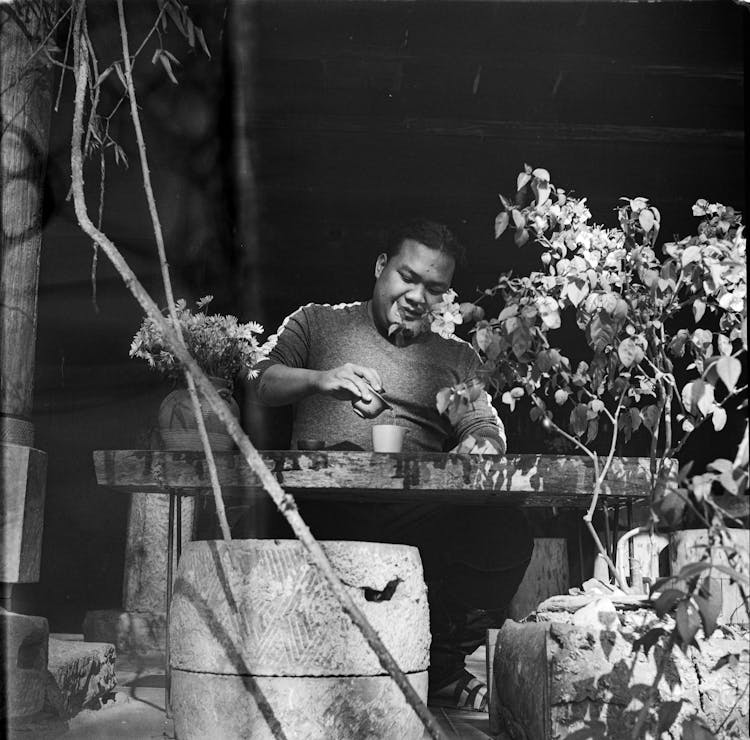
284 501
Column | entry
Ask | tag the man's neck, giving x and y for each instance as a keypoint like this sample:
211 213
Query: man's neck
397 335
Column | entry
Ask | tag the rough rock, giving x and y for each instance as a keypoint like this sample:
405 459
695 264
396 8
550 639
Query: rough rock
25 663
132 633
556 678
80 673
296 708
290 622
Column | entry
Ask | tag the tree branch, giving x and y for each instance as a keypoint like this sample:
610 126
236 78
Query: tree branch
283 500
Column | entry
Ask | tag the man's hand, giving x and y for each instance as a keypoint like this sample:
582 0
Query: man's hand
481 446
349 382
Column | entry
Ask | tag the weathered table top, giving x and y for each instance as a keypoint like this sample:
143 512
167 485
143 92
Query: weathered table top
526 480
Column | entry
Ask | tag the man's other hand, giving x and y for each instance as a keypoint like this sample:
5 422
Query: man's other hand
349 382
478 446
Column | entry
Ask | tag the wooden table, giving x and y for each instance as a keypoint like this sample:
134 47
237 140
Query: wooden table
515 480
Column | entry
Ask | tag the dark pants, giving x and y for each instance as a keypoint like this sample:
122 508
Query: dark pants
474 559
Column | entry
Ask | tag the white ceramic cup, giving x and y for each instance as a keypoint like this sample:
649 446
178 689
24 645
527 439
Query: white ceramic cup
388 437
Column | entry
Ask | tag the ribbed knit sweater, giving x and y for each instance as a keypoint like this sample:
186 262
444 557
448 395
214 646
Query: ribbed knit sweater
323 337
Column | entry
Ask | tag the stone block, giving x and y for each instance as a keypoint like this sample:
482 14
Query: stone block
554 679
206 705
132 633
25 664
144 587
23 472
80 673
261 607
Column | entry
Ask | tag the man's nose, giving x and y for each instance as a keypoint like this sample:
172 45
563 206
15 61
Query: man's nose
417 295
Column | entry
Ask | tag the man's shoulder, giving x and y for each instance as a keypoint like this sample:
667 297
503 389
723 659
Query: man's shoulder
327 312
454 346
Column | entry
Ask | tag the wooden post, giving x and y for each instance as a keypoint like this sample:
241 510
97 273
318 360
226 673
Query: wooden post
25 99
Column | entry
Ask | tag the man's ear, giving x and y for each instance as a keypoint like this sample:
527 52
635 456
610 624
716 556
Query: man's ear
380 263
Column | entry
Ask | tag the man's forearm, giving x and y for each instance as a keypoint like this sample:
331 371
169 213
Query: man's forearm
281 385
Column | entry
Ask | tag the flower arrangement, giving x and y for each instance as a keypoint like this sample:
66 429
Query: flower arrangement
221 345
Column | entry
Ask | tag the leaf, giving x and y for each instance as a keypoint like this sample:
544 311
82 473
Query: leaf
520 341
521 237
635 418
725 344
698 395
168 67
508 311
669 506
443 399
579 419
699 308
691 254
561 396
648 640
576 294
202 41
668 712
629 352
667 599
688 622
719 418
730 659
501 223
709 604
650 416
543 194
541 174
646 219
523 179
592 431
729 370
601 331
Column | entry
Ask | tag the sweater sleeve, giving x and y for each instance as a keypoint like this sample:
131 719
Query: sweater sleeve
482 419
293 343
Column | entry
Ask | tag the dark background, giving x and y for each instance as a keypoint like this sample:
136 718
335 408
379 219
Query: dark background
361 113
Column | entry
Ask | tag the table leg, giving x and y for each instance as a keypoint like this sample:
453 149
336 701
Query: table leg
615 530
170 566
178 532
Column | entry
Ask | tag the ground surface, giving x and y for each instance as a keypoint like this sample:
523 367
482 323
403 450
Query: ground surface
137 712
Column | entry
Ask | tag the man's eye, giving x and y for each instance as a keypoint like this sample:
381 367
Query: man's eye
436 291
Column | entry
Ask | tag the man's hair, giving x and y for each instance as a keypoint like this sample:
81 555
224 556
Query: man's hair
430 233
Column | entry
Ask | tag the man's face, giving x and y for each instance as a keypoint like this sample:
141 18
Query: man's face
408 284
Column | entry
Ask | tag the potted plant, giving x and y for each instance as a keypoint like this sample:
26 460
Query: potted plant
222 346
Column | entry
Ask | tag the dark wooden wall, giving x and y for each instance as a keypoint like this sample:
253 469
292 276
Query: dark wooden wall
364 112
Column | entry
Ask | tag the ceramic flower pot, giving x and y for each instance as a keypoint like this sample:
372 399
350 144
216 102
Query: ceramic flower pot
177 424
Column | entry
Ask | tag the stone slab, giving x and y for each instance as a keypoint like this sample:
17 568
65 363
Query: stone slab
207 705
23 475
554 679
80 673
290 623
132 633
25 663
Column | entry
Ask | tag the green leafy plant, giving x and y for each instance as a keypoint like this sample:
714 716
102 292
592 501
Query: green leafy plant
641 376
221 345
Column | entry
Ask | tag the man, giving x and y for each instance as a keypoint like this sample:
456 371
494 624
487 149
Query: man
330 356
